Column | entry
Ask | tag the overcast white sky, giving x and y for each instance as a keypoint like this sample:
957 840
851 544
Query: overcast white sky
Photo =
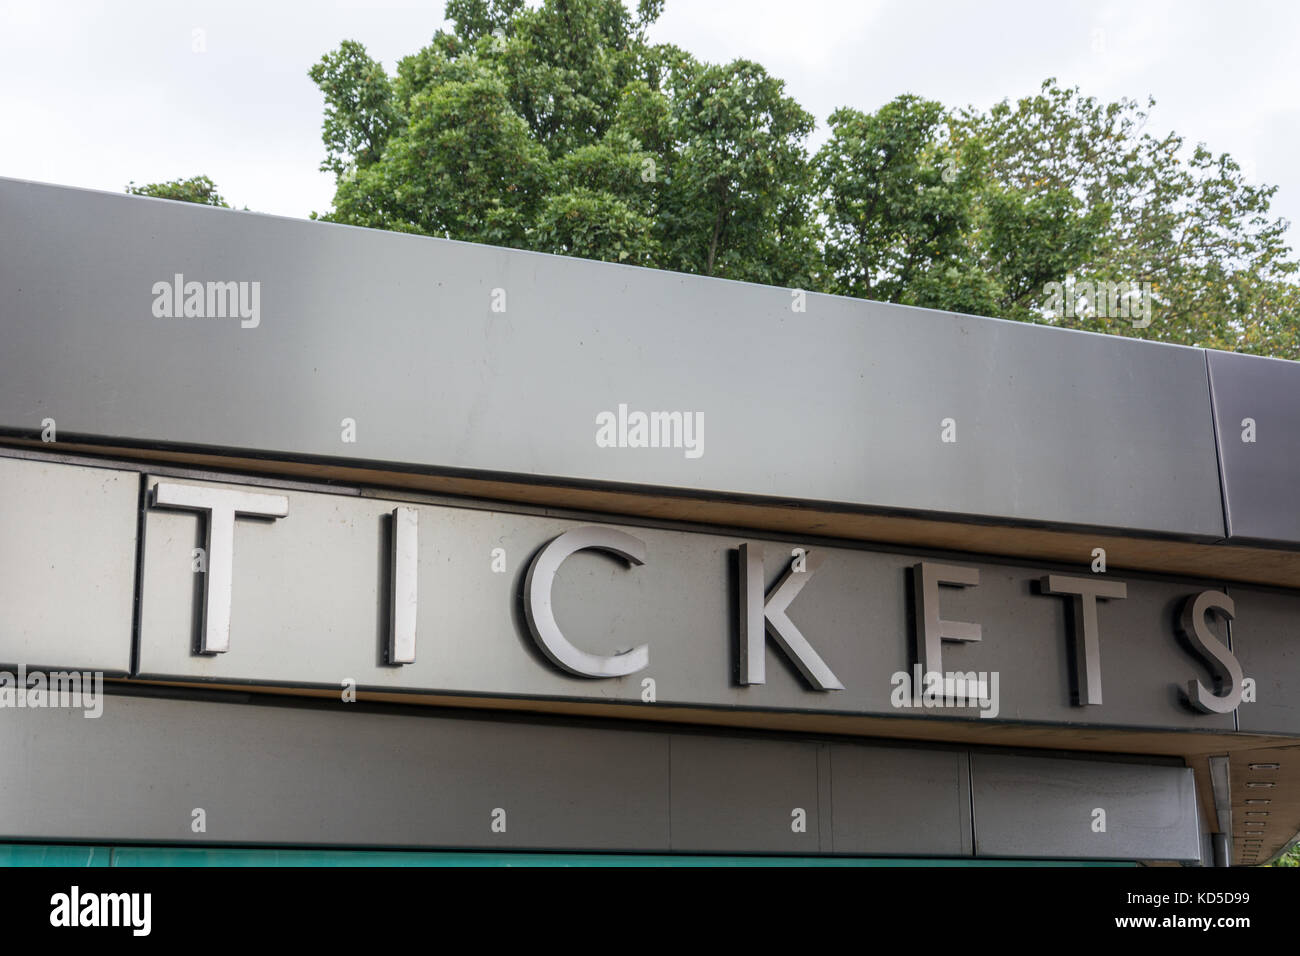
96 94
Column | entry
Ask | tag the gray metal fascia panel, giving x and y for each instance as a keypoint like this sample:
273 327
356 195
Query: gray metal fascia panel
1260 458
842 403
896 801
1264 641
303 776
286 774
744 795
1041 807
72 606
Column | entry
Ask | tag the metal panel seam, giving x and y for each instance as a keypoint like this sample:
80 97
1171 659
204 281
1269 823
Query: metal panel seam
1218 450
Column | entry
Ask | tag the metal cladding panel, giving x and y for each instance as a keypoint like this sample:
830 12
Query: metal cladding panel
342 775
892 801
1260 462
740 795
1264 641
842 402
1045 807
286 775
71 607
309 606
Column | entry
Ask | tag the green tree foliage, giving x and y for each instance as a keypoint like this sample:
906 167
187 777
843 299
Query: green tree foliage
560 128
359 113
898 200
199 189
1290 856
1148 209
736 202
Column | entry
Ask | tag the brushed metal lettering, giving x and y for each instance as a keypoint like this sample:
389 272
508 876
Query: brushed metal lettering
760 614
405 582
931 629
1086 632
220 507
1221 661
541 614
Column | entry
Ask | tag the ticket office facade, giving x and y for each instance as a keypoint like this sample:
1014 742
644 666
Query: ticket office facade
570 682
304 549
